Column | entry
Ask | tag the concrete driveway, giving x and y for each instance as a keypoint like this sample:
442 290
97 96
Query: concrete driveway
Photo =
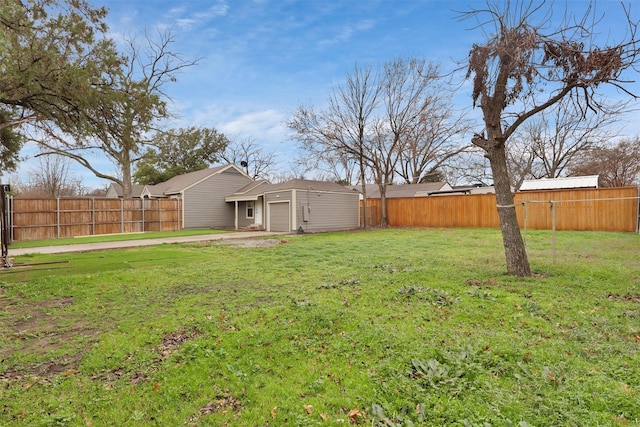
87 247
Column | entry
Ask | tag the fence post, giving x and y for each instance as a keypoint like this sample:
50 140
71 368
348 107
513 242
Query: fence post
93 216
160 215
122 215
142 201
58 217
180 223
553 228
524 220
11 216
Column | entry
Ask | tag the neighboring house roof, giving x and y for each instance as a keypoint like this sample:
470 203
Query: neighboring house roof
408 190
115 190
474 189
180 183
254 190
590 181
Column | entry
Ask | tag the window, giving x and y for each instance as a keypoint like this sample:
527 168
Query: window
250 210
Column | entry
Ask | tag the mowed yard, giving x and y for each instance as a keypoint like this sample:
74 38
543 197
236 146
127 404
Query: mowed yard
393 327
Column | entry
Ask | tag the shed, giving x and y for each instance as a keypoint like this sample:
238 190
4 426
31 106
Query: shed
312 206
590 181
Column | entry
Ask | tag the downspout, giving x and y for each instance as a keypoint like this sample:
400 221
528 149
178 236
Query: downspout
294 210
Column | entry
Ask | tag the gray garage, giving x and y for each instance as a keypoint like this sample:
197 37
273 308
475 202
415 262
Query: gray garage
312 206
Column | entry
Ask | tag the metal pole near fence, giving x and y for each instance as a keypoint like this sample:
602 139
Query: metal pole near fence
553 228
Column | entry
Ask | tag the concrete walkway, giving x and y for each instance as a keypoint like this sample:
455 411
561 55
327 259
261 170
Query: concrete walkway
87 247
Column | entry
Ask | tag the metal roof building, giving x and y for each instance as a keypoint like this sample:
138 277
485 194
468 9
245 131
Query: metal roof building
590 181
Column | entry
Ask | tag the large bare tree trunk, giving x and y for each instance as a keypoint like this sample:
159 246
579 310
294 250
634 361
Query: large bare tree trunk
516 254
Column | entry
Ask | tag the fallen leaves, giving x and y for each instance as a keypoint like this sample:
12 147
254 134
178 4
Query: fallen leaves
355 416
223 405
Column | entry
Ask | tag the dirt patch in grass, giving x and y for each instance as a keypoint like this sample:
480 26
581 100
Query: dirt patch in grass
174 340
625 298
170 343
223 403
40 332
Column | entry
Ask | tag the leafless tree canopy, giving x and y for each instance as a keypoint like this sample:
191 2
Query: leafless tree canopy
618 165
247 153
549 144
391 123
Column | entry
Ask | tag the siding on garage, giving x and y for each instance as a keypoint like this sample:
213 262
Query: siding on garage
280 219
204 203
325 211
279 214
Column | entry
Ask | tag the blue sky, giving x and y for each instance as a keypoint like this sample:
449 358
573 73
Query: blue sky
261 59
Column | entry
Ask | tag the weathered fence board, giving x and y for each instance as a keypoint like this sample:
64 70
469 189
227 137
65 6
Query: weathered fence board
604 209
38 219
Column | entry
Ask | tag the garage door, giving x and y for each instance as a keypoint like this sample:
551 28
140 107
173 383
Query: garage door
279 217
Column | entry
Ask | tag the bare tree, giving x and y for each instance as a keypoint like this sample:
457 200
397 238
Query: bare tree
336 167
435 139
617 165
520 159
407 88
551 142
468 167
127 112
525 67
385 122
346 125
246 153
51 177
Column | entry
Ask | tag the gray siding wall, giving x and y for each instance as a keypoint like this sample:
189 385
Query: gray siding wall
204 205
243 221
317 211
279 196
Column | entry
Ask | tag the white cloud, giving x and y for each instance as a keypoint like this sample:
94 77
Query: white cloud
200 17
347 32
265 126
214 11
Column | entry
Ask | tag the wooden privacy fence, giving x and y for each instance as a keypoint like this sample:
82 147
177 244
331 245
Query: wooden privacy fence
605 209
38 219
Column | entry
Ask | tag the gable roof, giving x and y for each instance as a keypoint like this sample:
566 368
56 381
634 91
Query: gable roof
136 190
590 181
180 183
250 191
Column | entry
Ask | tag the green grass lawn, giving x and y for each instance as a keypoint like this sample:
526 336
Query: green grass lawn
112 238
394 327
